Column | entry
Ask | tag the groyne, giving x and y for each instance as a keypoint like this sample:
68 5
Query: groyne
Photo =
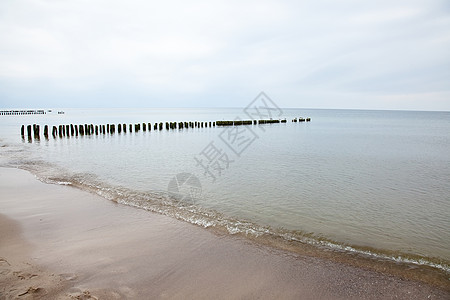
75 130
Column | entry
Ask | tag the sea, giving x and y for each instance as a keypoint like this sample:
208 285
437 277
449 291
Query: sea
371 182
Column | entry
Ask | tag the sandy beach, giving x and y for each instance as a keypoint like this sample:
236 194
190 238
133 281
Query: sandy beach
58 242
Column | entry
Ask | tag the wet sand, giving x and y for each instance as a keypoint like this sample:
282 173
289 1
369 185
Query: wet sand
58 242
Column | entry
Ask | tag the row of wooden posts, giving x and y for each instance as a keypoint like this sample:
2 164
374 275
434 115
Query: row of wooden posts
21 112
91 129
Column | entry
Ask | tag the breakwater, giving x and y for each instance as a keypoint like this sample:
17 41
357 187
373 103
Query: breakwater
74 130
22 112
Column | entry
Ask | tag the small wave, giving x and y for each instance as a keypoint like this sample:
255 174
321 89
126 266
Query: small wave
160 202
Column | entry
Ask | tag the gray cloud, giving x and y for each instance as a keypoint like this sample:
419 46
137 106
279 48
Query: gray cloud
336 54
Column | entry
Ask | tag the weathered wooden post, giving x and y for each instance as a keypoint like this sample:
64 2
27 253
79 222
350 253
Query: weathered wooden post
86 129
144 127
155 127
119 128
76 129
112 128
160 126
308 119
96 129
22 131
103 127
107 128
167 126
81 129
136 127
54 132
37 135
68 130
124 128
46 131
149 126
131 128
72 130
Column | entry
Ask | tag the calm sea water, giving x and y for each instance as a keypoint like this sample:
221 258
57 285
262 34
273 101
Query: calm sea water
370 181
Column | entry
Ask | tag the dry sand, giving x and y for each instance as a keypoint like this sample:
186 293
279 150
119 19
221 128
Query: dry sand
58 242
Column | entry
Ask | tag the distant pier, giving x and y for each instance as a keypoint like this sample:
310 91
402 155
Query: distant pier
22 112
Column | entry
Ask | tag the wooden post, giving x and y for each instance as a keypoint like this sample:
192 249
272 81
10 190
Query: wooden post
81 129
68 130
112 128
149 126
107 128
124 128
155 127
103 127
160 126
131 128
96 129
55 132
46 131
119 128
37 135
76 130
22 131
144 127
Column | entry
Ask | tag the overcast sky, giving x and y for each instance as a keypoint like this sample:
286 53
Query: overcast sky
311 54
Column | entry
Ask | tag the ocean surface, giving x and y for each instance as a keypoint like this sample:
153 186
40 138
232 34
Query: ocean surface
370 182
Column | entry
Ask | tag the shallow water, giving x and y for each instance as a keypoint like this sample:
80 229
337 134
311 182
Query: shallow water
376 181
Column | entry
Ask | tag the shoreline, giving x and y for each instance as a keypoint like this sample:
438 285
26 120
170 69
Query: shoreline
100 248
